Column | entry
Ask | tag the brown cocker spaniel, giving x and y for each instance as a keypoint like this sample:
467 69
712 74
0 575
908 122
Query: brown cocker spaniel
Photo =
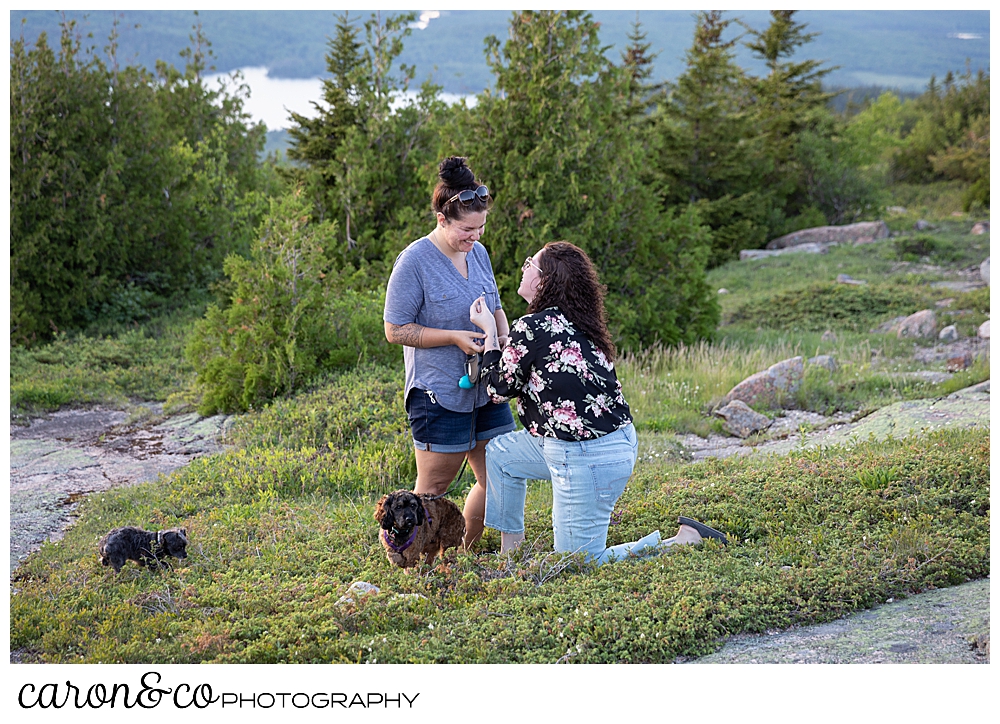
417 525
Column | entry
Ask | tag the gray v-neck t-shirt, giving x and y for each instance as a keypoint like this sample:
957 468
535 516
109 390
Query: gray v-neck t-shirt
426 288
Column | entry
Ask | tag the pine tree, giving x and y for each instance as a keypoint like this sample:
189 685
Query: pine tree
701 152
555 144
315 141
788 100
638 64
365 153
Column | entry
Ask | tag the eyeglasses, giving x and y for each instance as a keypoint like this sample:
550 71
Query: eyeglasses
468 196
529 262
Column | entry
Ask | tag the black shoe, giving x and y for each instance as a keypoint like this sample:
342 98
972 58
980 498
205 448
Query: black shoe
703 530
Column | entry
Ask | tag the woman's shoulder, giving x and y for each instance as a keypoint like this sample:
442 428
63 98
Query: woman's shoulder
550 319
412 251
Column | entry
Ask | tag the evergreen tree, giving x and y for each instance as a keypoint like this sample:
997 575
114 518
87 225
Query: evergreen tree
945 134
638 64
119 180
788 101
367 153
315 141
556 147
701 148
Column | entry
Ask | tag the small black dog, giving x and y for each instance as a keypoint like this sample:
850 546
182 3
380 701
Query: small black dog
142 546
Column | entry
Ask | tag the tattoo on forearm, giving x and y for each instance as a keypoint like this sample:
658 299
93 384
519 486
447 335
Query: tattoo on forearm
408 334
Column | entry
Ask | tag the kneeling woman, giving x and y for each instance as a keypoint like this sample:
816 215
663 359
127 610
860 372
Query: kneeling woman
578 432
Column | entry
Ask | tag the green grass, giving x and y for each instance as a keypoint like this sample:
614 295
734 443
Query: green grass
936 201
282 523
145 362
815 535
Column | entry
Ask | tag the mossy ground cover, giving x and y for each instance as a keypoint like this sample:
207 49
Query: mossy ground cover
141 362
814 536
281 524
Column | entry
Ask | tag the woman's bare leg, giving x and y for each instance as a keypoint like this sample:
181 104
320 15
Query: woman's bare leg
436 471
475 503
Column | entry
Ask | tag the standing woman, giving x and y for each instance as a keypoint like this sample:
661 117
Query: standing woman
433 282
578 432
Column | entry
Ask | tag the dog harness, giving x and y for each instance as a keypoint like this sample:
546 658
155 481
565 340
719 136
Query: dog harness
413 535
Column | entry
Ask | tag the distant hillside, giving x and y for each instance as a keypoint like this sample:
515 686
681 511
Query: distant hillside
898 48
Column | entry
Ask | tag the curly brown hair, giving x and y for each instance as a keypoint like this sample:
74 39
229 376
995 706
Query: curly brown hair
568 280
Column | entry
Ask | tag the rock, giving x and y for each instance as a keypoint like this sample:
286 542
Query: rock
984 330
981 387
948 334
890 327
824 360
922 225
846 279
781 378
941 303
959 362
958 213
861 233
801 248
896 209
918 324
984 271
358 588
931 376
981 227
723 291
829 336
957 286
740 420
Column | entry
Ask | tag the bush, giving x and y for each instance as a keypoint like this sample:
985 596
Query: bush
826 305
290 316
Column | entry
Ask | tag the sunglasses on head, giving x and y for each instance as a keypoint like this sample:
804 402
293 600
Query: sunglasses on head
468 196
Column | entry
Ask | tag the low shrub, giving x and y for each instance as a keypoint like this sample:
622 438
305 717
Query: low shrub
290 316
826 305
813 536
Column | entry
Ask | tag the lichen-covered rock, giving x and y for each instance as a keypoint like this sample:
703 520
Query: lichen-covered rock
948 334
824 360
889 327
921 324
740 420
861 233
848 279
809 248
765 388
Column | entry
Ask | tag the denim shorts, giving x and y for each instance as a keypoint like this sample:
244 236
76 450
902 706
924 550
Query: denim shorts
438 429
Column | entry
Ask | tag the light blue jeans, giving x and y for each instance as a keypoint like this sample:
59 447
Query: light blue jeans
587 478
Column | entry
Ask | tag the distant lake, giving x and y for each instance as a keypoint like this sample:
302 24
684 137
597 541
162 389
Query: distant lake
271 99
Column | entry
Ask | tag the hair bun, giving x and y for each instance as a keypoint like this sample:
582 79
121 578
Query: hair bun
455 173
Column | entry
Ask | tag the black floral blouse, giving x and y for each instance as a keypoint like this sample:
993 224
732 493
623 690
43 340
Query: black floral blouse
564 385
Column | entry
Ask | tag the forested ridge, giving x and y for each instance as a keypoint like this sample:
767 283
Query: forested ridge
135 191
891 48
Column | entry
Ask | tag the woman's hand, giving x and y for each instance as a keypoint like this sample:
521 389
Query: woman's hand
468 342
480 316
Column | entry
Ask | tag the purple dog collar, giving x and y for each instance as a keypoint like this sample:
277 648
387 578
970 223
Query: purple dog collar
413 535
